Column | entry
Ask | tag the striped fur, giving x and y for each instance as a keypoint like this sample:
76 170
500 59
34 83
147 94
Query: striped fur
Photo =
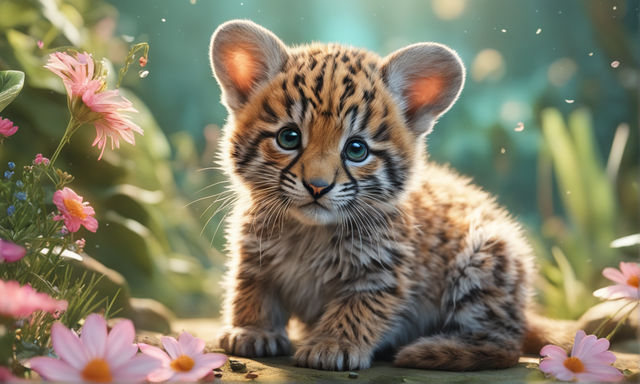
400 253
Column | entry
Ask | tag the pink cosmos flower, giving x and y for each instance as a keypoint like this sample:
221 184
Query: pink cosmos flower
627 279
21 301
91 102
184 360
590 360
96 356
7 128
10 251
40 160
73 211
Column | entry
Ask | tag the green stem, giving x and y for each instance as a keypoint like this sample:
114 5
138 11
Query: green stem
609 318
66 138
610 335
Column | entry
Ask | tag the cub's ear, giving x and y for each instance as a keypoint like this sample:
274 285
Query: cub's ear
243 56
425 79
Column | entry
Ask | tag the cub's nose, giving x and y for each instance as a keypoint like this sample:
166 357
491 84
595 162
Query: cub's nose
317 187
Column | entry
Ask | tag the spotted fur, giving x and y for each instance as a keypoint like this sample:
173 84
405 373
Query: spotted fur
397 253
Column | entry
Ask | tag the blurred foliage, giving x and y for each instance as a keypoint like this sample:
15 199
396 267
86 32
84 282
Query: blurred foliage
522 58
146 233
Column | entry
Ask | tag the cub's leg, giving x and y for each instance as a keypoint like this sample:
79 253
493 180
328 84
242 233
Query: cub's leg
483 306
348 332
256 317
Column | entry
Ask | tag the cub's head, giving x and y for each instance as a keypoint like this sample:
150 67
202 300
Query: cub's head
326 133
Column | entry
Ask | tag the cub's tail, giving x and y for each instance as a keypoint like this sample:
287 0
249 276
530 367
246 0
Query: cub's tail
543 330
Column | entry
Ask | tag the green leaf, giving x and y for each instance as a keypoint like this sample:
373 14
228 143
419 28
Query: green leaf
11 83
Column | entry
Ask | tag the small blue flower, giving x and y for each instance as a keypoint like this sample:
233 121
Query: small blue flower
12 165
8 174
21 196
11 210
19 184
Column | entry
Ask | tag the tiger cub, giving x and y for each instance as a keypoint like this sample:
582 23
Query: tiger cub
343 224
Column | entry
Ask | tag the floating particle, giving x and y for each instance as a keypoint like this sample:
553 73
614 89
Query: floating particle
127 38
590 53
615 64
569 101
353 375
40 44
538 31
503 30
568 192
193 1
614 7
251 375
163 20
503 150
143 74
519 127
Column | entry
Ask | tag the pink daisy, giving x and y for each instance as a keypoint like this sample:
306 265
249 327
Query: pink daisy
73 211
184 360
7 128
91 102
590 360
21 301
627 279
10 251
97 356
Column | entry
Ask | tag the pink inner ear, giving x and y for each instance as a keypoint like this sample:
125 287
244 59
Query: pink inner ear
241 67
424 91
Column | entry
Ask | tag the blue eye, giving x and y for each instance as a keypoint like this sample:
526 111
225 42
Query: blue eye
356 150
289 137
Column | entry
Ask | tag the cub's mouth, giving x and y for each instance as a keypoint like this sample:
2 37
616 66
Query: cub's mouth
313 213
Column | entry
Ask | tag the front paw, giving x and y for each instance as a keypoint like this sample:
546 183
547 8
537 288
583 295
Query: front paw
332 355
254 342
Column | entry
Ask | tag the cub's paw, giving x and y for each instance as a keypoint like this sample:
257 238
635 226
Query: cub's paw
254 342
332 355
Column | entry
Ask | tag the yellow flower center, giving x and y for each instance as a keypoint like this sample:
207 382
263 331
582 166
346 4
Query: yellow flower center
97 371
634 281
75 208
574 365
182 363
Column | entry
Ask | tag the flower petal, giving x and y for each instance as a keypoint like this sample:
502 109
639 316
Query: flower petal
136 369
614 275
171 346
629 269
583 349
577 340
55 370
68 346
120 347
600 373
94 336
155 352
554 352
160 375
210 360
190 345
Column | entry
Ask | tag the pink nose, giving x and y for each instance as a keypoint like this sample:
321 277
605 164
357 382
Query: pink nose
317 187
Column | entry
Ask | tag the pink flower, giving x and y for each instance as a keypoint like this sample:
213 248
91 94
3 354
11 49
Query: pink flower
7 128
73 211
21 301
91 102
7 377
627 279
590 360
184 361
40 160
96 356
10 251
113 124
